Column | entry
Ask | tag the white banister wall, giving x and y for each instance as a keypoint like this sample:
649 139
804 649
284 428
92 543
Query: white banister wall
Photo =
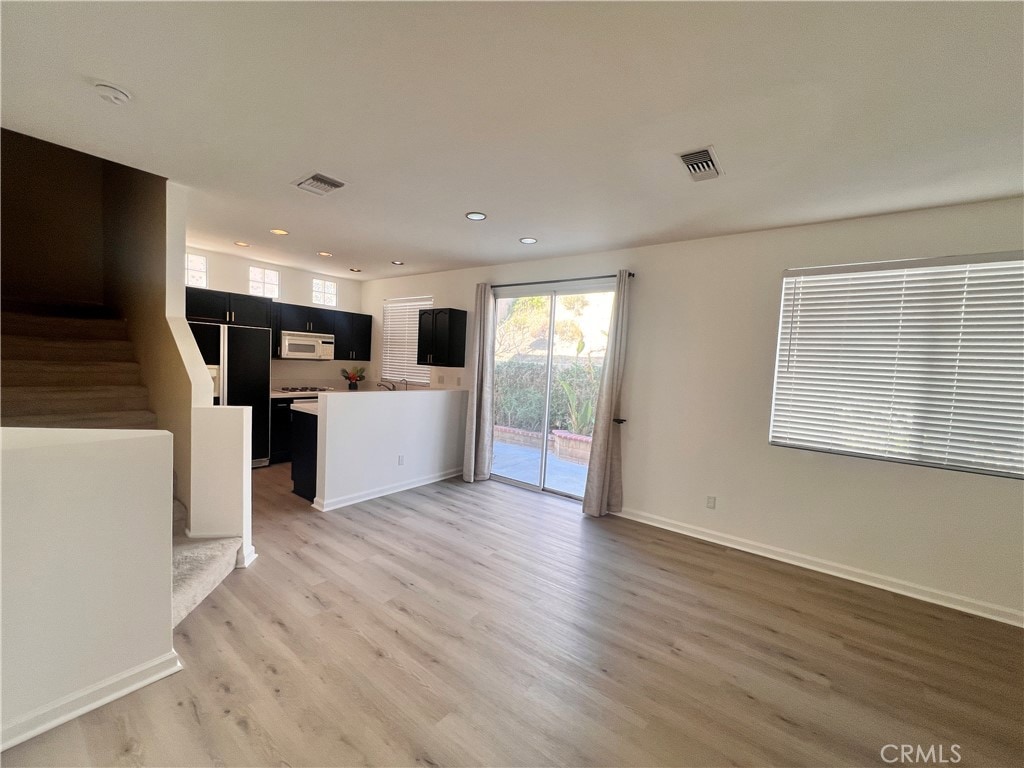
222 475
218 441
361 435
86 550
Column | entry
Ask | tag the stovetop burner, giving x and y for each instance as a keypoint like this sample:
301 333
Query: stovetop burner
307 389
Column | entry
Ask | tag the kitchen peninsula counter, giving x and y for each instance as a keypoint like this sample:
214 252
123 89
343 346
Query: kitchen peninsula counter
372 443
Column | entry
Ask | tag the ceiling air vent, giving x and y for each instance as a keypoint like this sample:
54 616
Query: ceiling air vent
700 164
319 185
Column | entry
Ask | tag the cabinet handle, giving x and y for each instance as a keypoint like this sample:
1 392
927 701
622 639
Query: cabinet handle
227 317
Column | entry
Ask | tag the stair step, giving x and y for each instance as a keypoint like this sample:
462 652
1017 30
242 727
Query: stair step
81 350
42 326
29 401
98 420
28 373
200 565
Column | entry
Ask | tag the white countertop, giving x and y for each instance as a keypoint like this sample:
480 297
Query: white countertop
310 407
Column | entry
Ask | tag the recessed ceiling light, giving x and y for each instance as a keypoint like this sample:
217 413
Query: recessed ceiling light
353 269
476 216
279 231
527 240
325 254
398 263
240 244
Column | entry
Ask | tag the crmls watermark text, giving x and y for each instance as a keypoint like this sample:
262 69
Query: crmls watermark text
918 754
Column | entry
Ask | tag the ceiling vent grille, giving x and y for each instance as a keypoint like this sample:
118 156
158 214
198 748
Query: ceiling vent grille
319 185
700 164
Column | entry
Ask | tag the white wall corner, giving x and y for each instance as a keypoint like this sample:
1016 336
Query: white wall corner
85 700
222 474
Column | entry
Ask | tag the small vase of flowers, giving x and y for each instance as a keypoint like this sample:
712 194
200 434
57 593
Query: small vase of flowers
353 377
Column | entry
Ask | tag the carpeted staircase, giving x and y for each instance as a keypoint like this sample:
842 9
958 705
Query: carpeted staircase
74 367
199 566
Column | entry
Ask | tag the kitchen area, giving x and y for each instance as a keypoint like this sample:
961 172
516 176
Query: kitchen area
347 441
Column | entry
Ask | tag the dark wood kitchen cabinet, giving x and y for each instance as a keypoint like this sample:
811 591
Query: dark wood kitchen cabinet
280 429
304 429
281 419
295 317
205 305
442 337
352 336
351 330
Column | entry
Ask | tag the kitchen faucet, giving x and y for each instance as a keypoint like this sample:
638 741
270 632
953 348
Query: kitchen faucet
389 386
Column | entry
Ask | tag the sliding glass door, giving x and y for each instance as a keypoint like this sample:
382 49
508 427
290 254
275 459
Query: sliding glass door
549 347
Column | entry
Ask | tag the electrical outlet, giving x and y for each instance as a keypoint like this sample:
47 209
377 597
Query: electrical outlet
401 460
458 381
710 502
440 379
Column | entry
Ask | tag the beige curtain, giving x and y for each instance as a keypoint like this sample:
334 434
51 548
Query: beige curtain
603 492
476 464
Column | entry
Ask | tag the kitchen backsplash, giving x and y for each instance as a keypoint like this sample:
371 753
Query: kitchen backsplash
310 373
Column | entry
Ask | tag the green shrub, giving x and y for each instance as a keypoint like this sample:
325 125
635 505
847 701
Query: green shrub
519 386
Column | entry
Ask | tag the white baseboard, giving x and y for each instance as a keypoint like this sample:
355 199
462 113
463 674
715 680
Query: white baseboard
78 703
246 554
211 535
326 505
947 599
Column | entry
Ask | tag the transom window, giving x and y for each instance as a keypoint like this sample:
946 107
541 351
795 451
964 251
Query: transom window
917 362
195 270
401 335
325 292
264 282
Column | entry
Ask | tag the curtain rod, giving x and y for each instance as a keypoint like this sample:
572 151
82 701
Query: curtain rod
564 280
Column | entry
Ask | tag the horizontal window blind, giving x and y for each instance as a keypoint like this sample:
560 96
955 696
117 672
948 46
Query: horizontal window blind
401 329
917 364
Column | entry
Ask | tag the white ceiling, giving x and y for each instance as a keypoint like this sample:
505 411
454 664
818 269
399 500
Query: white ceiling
561 121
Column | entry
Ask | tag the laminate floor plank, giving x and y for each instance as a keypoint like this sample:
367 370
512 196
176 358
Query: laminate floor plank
486 625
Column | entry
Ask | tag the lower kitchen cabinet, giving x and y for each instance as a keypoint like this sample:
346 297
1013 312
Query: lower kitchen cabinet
303 437
281 418
280 429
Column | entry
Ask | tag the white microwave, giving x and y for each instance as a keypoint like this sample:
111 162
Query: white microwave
307 346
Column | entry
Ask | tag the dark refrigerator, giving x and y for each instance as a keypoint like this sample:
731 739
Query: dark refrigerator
242 357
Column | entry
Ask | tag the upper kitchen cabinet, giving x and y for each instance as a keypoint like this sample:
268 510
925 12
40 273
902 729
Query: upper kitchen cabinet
250 310
294 317
352 335
203 304
442 338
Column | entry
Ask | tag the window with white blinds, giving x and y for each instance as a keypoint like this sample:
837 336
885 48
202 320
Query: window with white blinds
401 328
921 362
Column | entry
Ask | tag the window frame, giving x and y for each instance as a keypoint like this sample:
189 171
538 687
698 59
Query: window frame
204 272
921 364
324 292
407 324
276 294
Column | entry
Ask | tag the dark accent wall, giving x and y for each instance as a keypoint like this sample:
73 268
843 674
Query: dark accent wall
51 222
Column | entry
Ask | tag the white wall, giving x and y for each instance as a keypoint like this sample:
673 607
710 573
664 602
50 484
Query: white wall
231 273
360 436
222 475
143 221
698 396
86 571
